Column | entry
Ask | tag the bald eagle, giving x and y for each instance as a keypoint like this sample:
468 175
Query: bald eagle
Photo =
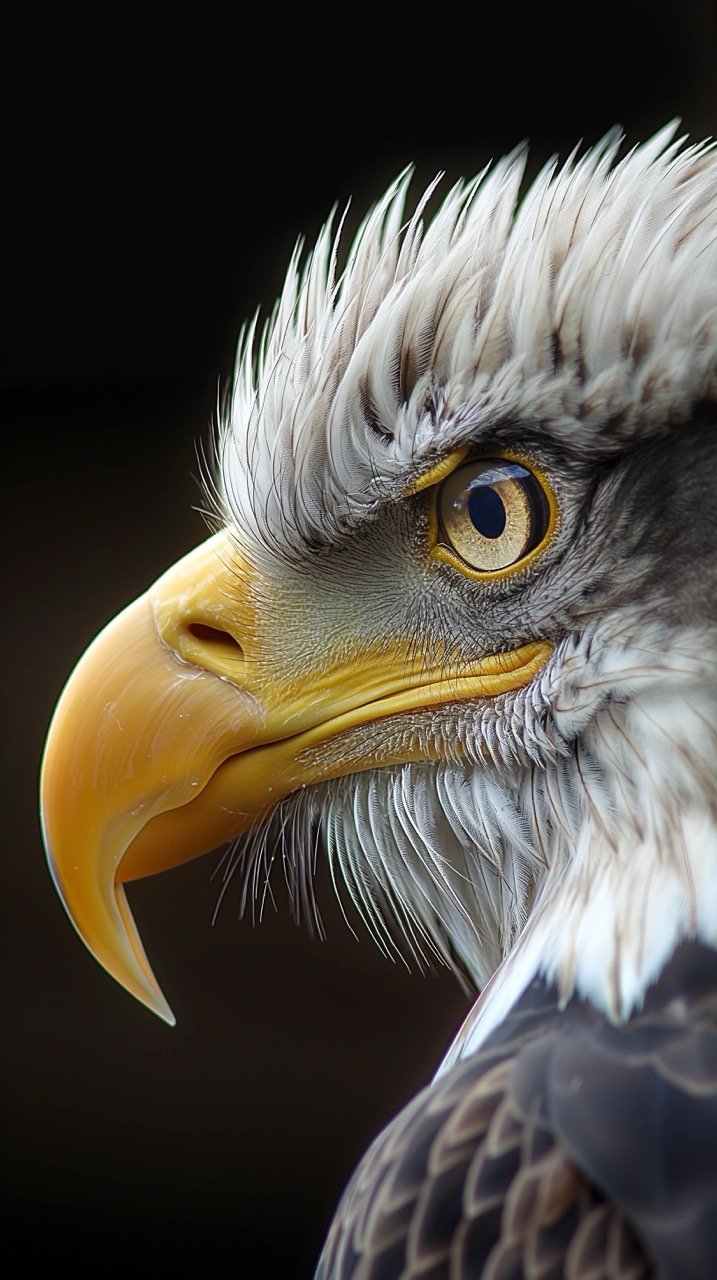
457 620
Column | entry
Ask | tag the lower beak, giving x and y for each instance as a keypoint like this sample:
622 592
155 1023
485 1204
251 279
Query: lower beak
172 737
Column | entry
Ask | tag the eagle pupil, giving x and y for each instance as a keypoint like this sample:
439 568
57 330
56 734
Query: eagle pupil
486 510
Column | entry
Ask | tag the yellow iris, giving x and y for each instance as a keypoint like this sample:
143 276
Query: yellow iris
491 516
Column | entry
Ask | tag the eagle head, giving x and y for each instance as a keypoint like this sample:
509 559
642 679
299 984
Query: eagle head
456 621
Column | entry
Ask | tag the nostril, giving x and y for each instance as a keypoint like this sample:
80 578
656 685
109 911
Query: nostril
220 643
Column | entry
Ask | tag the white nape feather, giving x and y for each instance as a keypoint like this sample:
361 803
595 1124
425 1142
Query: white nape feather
594 294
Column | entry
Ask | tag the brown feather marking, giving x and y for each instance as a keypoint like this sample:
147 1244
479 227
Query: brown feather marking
604 1248
473 1115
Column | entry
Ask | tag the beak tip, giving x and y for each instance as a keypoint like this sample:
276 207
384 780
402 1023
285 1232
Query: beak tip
164 1013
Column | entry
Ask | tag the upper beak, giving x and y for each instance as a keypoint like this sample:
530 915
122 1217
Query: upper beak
175 734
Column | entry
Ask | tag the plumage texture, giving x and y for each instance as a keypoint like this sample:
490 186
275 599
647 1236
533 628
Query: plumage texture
565 1149
560 840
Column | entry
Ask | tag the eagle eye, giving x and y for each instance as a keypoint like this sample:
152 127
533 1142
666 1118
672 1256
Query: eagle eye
491 514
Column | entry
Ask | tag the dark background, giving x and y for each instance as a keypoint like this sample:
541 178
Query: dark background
157 170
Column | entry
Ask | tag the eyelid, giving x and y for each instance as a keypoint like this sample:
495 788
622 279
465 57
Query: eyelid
440 471
438 550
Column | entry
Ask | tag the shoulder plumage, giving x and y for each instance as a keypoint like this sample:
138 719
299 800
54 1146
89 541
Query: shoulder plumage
541 1154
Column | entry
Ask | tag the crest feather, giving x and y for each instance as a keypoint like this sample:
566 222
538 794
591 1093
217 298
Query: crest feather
588 307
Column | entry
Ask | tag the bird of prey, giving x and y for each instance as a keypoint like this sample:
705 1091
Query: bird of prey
456 626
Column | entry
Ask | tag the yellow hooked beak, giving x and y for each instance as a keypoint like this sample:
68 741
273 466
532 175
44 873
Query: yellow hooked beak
176 732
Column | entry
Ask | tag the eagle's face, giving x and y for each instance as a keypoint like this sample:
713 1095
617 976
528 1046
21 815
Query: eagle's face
458 615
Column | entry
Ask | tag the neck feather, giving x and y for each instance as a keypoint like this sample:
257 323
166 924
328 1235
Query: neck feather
632 869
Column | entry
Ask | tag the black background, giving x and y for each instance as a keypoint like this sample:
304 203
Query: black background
157 170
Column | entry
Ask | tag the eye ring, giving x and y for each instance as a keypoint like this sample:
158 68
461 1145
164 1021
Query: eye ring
492 516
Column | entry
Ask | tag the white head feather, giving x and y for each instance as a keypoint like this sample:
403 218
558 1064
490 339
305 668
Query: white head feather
595 292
